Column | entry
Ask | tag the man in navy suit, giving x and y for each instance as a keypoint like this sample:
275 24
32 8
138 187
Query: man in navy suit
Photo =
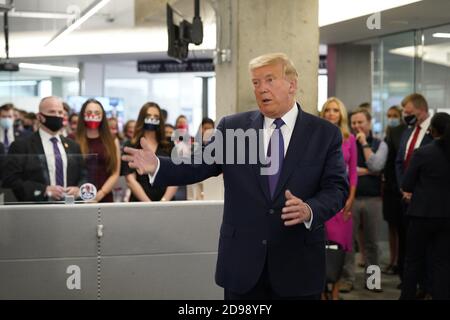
415 110
272 241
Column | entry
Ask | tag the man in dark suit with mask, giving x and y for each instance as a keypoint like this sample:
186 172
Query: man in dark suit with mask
416 116
272 239
45 166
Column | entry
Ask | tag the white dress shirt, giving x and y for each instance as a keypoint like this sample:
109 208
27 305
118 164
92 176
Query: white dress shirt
423 130
50 156
286 130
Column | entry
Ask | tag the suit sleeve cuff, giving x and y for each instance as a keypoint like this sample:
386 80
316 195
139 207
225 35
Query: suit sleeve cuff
152 177
308 224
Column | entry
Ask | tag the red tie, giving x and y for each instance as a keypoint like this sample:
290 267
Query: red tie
411 147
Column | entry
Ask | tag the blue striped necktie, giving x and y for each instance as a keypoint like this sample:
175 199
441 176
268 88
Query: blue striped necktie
278 157
59 172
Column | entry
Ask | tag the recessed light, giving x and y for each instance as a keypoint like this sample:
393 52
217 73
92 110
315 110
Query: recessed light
441 35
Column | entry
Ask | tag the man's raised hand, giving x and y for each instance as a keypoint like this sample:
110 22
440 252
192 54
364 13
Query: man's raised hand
143 160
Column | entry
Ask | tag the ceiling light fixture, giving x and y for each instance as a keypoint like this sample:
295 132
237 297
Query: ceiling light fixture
441 35
85 15
40 15
48 67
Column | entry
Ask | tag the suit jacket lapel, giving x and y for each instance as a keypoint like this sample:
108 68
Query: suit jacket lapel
297 147
427 138
256 123
38 147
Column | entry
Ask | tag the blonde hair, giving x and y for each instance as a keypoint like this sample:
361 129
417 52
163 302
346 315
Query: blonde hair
343 119
269 59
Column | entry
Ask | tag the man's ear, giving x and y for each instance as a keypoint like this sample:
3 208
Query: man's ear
293 86
40 118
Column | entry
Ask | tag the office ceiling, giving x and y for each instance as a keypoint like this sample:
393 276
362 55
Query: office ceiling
423 14
115 14
151 13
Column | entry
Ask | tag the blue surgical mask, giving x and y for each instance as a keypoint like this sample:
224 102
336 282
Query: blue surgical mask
393 122
6 123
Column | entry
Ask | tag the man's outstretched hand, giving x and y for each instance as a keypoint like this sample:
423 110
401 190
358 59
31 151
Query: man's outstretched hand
143 160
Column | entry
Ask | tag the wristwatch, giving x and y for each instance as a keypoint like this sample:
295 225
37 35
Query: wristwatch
365 145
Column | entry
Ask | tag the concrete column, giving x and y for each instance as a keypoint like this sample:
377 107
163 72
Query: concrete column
352 80
57 86
254 27
92 79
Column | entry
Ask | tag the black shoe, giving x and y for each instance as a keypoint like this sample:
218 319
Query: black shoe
420 294
390 270
345 287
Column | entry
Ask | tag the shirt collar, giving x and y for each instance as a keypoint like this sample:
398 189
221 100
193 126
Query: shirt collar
289 118
45 136
426 124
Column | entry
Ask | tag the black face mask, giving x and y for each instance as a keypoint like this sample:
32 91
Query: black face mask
410 120
28 127
53 123
17 123
151 127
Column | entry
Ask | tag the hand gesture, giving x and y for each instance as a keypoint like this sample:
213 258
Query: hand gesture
73 191
143 160
55 192
361 137
295 210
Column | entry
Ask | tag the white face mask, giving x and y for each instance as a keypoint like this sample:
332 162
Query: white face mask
6 123
151 124
150 120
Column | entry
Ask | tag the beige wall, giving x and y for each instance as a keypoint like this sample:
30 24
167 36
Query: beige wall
262 26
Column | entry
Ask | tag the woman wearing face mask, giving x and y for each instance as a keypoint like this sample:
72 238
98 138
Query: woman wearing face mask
94 137
183 145
128 130
113 123
149 126
392 198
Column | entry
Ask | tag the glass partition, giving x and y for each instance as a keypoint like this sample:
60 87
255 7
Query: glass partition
434 82
31 179
414 61
393 74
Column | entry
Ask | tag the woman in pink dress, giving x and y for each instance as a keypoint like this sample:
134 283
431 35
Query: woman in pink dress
339 229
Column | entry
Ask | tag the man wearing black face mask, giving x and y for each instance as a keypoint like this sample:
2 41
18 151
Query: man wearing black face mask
45 166
416 116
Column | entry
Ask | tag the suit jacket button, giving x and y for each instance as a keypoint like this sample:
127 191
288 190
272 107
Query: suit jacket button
271 211
264 242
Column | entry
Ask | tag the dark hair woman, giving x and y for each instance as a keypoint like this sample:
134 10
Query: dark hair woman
150 126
